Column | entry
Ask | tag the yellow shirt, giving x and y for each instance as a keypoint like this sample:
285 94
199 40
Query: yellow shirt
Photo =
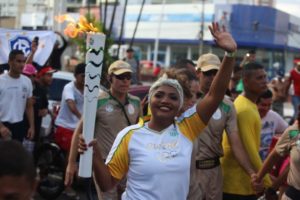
236 180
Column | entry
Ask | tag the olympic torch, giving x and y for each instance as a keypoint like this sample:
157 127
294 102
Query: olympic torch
95 42
94 59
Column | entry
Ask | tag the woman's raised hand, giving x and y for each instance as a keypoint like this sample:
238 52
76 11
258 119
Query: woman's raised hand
223 38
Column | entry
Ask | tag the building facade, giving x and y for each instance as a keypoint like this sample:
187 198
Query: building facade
274 35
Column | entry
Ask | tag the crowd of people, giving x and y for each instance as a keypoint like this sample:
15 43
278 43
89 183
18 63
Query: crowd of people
209 131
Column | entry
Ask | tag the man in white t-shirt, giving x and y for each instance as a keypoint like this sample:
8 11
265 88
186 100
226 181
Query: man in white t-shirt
71 109
272 123
15 100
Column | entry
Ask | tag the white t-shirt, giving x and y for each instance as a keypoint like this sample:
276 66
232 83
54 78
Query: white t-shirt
272 124
157 164
65 117
14 93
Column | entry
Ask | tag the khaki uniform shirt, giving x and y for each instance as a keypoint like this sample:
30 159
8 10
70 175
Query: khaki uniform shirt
110 119
210 142
208 146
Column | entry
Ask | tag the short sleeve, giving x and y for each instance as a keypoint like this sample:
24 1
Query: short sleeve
118 157
281 124
68 92
190 123
30 88
231 123
283 145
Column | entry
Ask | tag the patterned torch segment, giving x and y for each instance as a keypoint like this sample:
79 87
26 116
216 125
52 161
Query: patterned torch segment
94 59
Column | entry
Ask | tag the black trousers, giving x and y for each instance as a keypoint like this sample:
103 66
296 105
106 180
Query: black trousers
18 130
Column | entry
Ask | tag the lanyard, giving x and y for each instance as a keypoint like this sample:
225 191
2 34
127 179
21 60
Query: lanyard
122 107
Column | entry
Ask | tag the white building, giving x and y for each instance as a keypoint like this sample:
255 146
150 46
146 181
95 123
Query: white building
176 28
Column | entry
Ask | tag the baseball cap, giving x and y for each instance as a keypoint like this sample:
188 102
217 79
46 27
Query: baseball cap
46 70
119 67
29 70
208 62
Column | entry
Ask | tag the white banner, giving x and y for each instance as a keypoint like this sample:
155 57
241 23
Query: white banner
21 39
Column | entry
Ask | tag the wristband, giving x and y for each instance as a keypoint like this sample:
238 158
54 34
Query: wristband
230 54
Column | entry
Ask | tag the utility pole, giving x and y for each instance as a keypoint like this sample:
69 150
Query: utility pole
89 8
122 28
201 35
156 44
0 15
137 23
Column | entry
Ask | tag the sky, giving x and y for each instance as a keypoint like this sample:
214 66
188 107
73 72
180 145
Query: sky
290 6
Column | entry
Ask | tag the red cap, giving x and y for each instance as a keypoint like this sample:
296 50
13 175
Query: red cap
46 70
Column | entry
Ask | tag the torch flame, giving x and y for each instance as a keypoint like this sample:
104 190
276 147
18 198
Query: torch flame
73 29
62 18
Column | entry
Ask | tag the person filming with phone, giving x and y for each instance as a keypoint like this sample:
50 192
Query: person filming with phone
249 57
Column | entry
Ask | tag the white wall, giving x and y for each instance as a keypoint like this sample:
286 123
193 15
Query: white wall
170 28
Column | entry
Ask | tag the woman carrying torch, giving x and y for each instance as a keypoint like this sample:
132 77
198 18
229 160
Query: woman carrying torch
156 154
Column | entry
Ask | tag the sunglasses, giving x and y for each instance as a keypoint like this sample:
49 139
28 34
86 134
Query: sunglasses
123 76
210 73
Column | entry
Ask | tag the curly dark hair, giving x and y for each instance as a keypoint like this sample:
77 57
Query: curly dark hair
183 81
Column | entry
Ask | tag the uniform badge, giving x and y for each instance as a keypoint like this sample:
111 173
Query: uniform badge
109 108
130 109
298 144
217 114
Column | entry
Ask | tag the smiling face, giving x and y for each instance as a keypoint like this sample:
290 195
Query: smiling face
165 103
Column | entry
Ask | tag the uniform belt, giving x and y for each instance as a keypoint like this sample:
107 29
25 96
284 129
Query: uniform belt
208 163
